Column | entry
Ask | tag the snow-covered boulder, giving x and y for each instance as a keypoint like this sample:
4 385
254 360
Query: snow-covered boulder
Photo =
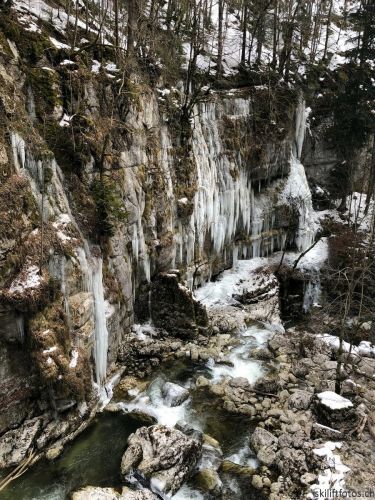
334 410
333 401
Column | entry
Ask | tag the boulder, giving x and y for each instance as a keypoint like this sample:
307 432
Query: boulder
291 462
95 493
320 431
209 481
15 444
334 410
261 438
257 482
300 400
174 308
229 467
266 456
261 353
143 494
130 387
202 381
161 457
174 394
142 416
265 445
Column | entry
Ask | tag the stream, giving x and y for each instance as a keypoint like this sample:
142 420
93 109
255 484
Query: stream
94 457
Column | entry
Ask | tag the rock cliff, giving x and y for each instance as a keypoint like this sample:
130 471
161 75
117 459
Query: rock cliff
96 205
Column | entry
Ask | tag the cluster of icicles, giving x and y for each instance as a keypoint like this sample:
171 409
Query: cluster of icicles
224 205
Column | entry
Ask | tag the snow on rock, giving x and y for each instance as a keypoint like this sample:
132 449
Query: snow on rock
111 67
68 62
332 478
29 12
66 120
31 279
312 261
74 359
51 349
59 45
95 66
230 283
355 212
334 401
364 349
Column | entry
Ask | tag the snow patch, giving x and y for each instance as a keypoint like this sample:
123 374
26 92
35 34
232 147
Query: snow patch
334 401
331 478
32 279
74 359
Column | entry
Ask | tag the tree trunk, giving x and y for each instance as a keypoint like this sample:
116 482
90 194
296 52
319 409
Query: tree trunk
327 30
117 37
220 39
275 35
132 25
244 37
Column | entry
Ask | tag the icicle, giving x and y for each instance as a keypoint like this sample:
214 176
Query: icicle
20 325
85 269
300 127
18 149
235 255
312 294
92 281
101 332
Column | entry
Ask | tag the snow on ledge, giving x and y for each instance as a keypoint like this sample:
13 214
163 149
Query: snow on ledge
31 279
334 401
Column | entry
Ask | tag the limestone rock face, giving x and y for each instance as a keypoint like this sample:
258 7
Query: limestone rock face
161 456
14 445
18 387
174 308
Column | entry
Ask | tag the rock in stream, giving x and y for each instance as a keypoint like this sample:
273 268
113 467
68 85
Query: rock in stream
161 458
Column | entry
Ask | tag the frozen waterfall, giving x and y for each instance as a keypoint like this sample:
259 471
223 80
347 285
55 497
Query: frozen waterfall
101 332
92 274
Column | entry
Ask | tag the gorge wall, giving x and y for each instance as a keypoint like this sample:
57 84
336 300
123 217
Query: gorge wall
230 188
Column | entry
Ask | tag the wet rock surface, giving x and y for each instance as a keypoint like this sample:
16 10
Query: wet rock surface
174 394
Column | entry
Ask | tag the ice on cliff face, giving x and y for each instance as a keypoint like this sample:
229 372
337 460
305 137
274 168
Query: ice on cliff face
225 207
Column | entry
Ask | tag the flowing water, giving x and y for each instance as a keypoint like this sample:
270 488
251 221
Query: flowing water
94 457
